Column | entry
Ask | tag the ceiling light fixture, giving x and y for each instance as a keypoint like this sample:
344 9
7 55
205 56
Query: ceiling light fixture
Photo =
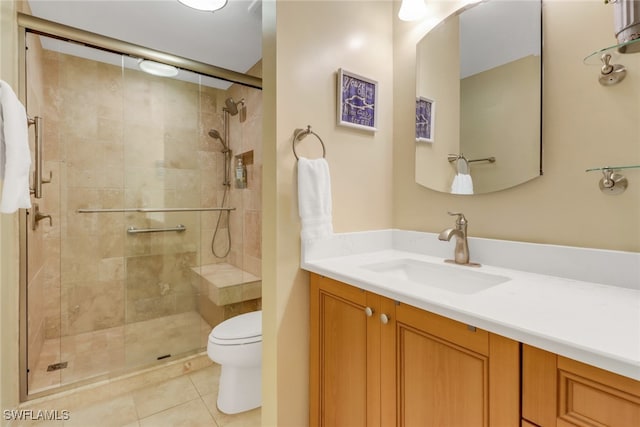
157 68
412 10
205 5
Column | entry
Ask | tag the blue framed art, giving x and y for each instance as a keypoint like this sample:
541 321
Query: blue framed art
357 101
425 119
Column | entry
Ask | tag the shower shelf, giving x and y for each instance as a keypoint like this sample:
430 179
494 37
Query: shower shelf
153 210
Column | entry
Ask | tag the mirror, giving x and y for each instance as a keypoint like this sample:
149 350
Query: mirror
478 98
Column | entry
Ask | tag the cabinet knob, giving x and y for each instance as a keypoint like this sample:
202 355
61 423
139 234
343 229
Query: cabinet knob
384 319
368 311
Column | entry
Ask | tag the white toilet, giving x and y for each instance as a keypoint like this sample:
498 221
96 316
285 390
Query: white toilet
236 344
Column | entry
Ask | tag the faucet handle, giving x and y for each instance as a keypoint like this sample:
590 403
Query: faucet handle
460 220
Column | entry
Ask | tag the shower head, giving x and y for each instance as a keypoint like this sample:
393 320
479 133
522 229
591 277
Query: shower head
232 108
216 135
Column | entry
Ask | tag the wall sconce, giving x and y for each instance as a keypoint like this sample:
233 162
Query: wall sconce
412 10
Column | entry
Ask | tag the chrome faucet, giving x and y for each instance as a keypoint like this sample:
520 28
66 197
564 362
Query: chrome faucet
461 254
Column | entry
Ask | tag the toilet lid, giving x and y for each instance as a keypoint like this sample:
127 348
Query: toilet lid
242 329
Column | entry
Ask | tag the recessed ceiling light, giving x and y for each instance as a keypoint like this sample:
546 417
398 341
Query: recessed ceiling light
157 68
205 5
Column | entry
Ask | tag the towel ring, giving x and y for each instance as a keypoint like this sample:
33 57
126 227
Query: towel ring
300 134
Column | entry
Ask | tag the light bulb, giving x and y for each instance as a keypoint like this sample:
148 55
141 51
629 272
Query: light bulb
412 10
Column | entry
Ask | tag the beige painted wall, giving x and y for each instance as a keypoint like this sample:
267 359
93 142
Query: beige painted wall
585 125
302 52
8 233
500 117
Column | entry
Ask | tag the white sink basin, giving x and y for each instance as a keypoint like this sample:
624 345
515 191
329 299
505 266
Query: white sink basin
452 278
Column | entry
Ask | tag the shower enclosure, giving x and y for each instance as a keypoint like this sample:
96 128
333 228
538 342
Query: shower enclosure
122 274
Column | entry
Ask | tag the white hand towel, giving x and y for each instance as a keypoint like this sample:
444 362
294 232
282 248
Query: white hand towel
462 184
314 198
15 159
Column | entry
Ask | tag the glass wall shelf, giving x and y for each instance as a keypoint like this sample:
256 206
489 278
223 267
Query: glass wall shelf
613 168
632 46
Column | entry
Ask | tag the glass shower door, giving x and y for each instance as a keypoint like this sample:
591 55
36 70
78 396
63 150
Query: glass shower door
162 172
103 299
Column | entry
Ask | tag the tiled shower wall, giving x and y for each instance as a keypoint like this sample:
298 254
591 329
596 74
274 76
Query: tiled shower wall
246 222
120 138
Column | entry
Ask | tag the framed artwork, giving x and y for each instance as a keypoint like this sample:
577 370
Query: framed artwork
357 101
425 118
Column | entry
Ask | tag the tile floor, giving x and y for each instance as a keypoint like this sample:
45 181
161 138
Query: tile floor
188 400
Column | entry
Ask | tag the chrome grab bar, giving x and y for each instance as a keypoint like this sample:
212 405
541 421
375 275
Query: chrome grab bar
153 210
132 230
37 168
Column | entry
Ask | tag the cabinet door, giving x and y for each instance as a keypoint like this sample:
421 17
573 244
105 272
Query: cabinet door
447 372
441 382
539 385
338 351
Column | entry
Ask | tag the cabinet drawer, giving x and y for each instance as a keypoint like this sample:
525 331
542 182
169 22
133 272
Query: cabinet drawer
562 392
588 395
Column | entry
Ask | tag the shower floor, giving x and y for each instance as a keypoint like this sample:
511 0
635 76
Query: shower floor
106 351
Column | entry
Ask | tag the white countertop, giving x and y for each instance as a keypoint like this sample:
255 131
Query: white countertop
586 305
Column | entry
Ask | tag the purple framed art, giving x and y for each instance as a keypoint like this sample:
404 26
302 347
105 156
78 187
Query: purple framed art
425 119
357 101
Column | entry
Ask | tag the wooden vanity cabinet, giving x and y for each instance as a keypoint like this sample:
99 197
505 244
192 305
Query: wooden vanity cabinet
557 391
404 366
351 356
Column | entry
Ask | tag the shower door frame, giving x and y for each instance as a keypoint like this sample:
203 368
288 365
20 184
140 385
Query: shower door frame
39 26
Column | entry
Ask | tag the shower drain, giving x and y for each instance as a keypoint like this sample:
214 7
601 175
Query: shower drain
56 366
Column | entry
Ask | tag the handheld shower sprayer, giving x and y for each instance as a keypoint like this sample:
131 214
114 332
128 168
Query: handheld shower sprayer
227 155
216 135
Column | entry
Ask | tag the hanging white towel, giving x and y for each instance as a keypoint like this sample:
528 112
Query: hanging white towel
314 198
462 184
15 157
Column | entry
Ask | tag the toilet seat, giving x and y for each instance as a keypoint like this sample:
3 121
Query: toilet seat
239 330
